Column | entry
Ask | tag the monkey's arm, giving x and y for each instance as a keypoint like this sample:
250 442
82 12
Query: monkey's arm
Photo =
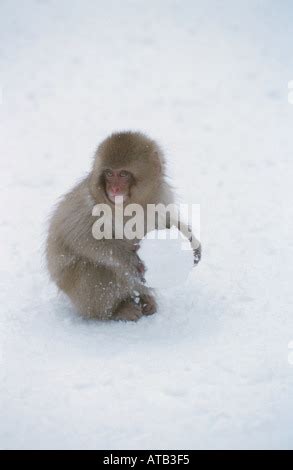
174 220
115 254
194 242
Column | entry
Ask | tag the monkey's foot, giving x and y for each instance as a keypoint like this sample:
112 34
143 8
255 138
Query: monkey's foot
128 312
148 305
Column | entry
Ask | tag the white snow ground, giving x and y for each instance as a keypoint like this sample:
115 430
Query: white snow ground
209 80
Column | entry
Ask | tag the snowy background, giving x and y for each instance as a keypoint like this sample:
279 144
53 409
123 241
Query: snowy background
209 80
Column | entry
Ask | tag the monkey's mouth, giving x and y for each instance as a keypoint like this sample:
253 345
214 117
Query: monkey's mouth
117 198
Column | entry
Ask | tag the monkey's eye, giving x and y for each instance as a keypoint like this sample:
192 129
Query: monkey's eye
108 173
124 174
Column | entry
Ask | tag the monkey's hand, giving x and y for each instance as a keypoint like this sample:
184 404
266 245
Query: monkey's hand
141 269
196 255
136 246
135 265
139 263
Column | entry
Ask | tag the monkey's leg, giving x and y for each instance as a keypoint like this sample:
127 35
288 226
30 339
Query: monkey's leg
128 311
93 290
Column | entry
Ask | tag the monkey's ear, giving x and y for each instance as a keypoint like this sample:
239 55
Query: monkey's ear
156 161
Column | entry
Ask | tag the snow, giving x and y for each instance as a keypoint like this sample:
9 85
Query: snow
156 254
211 369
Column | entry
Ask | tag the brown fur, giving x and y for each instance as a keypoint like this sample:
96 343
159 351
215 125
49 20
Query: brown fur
102 278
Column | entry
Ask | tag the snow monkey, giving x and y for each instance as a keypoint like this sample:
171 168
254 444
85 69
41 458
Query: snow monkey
104 278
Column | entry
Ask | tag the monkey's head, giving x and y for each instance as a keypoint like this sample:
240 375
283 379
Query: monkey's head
129 165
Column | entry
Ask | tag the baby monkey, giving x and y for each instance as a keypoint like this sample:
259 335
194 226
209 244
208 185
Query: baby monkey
104 278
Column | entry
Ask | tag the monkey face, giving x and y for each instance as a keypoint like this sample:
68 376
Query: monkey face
127 165
117 183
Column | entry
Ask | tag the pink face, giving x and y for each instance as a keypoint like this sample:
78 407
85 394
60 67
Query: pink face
117 184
